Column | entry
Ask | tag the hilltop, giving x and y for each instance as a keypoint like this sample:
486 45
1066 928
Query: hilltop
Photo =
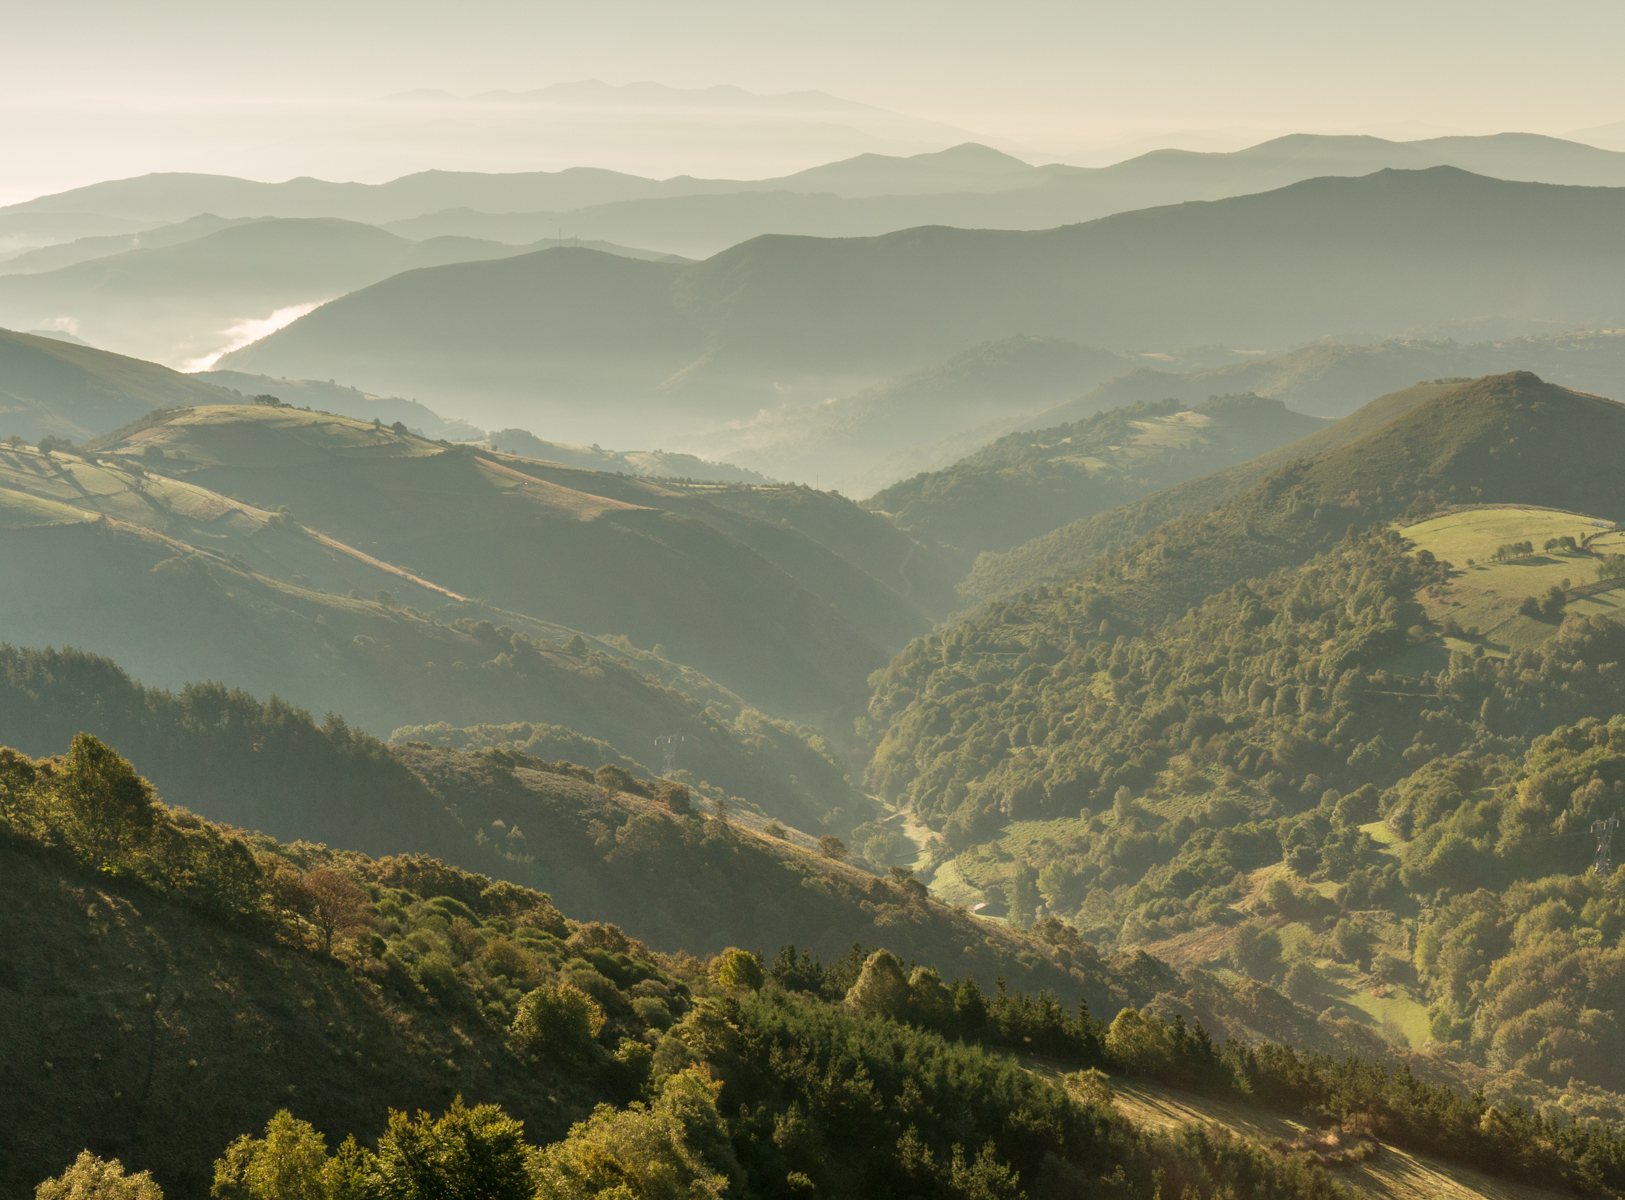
1026 484
1075 548
1384 254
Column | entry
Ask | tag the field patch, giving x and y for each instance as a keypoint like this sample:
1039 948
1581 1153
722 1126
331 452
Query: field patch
1480 602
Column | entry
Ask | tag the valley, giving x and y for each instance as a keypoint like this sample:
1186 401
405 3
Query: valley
933 673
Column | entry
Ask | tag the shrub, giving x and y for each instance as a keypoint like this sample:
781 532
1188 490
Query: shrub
557 1018
831 846
675 796
618 779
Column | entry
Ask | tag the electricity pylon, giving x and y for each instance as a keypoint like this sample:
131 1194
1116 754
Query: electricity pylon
667 744
1605 835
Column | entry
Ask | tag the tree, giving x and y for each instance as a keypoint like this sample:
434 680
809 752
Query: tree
1256 951
675 796
335 904
110 809
671 1149
289 1163
833 847
737 970
556 1018
468 1154
881 989
91 1178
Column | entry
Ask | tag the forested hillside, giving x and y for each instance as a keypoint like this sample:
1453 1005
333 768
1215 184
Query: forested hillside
1026 484
1075 547
1504 439
308 990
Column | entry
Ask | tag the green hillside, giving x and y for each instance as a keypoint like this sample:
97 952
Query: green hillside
784 318
1026 484
51 388
765 611
214 979
1075 548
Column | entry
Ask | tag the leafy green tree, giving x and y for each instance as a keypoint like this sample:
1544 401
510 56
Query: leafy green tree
737 970
468 1154
655 1152
881 989
92 1178
289 1163
557 1018
109 810
1256 951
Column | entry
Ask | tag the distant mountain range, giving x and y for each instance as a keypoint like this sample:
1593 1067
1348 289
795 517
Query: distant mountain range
969 186
662 347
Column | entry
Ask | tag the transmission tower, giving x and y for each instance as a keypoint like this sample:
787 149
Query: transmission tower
1605 834
667 744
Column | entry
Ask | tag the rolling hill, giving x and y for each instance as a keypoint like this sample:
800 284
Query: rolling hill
859 442
180 302
1027 484
1333 380
1074 548
788 317
53 388
761 608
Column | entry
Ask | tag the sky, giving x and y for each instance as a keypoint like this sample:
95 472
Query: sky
100 89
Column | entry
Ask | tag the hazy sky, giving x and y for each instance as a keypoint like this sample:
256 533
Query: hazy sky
98 88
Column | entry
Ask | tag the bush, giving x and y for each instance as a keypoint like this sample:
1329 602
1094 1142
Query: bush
1302 982
557 1018
831 846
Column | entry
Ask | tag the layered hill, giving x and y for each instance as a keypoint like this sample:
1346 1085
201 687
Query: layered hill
1333 380
1506 439
765 610
859 442
1383 254
1026 484
52 388
1074 548
177 303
